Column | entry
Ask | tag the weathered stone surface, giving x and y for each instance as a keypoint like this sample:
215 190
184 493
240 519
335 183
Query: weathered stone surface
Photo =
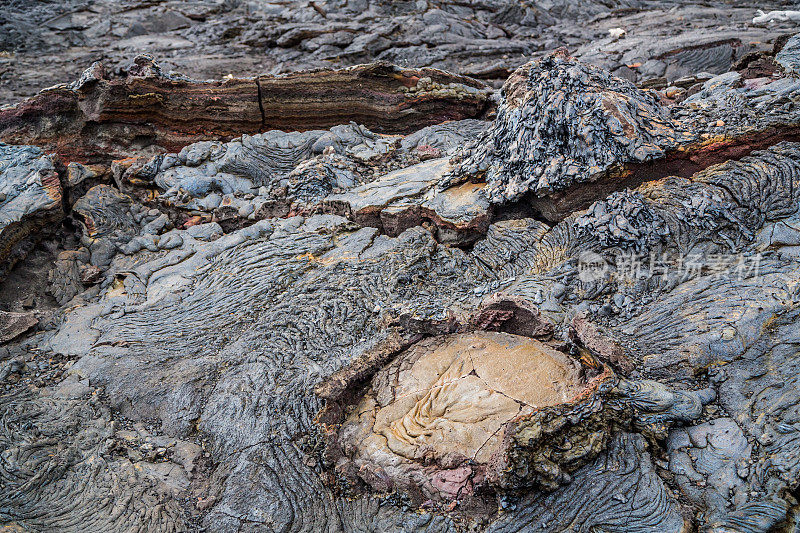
57 473
101 117
455 418
15 324
500 312
339 171
789 56
486 40
30 200
665 56
569 133
620 491
215 351
388 202
584 332
446 402
714 325
562 123
716 453
231 423
461 213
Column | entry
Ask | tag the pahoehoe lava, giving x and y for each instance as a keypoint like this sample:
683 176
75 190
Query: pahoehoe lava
399 266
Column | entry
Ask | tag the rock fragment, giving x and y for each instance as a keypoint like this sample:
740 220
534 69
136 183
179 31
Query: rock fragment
609 350
446 403
388 202
14 324
564 123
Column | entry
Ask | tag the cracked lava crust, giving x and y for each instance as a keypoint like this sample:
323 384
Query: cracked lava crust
435 422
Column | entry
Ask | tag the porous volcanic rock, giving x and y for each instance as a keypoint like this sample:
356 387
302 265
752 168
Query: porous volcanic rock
568 133
563 122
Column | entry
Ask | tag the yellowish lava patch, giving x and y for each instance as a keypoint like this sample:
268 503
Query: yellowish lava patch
460 390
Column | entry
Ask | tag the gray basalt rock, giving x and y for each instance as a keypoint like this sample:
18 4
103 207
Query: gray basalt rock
717 453
389 201
300 257
714 218
789 56
635 229
347 170
619 492
564 123
80 486
653 40
30 200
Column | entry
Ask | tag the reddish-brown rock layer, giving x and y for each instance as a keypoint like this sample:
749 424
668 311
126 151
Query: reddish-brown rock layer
101 117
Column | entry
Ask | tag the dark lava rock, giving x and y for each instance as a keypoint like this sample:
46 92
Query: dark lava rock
564 123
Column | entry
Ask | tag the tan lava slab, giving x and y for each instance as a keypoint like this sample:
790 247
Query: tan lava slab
457 397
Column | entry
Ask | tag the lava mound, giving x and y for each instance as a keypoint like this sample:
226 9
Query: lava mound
438 423
564 122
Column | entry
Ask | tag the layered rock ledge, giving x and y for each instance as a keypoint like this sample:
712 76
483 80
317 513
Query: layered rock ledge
101 117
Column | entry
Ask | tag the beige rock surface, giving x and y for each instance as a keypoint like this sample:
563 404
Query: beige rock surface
455 393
